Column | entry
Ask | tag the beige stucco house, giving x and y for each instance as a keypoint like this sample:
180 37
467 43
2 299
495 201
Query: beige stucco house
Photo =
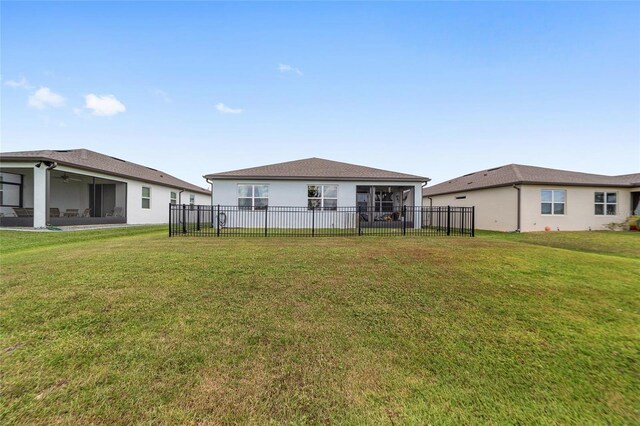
526 198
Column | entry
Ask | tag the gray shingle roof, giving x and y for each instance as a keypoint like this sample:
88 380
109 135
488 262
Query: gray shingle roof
94 161
519 174
316 168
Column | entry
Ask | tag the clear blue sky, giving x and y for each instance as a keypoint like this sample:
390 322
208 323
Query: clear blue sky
436 89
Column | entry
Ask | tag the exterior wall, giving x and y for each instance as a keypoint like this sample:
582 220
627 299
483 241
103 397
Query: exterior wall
496 208
579 209
294 192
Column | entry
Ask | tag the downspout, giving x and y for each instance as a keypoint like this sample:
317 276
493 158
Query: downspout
516 187
210 183
180 196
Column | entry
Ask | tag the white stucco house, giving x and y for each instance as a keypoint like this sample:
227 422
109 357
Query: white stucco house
79 186
326 188
516 197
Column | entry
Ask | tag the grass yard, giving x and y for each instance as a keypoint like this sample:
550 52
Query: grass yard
126 326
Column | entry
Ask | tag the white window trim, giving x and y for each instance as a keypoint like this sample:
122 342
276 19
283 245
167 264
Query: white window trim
553 202
322 197
253 197
172 199
605 204
192 199
145 198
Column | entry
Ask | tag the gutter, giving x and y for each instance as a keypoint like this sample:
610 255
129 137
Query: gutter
517 188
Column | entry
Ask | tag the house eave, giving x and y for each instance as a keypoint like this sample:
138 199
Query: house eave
4 159
416 179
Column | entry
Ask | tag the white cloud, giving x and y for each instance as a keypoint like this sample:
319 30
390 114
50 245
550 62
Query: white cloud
44 97
104 105
222 108
22 83
161 94
284 68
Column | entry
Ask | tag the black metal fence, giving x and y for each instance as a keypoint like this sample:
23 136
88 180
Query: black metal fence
217 220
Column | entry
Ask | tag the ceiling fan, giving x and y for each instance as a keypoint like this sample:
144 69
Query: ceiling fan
66 178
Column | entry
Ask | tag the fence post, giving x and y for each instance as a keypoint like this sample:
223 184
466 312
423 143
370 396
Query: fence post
313 221
462 213
404 220
448 220
184 218
473 221
218 222
198 217
359 219
265 221
170 220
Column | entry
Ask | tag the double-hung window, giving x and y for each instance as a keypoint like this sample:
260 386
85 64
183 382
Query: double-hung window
606 203
192 199
323 197
146 197
174 198
552 201
253 197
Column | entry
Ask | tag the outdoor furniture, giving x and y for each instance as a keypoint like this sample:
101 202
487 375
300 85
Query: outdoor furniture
86 213
23 212
54 212
116 212
71 213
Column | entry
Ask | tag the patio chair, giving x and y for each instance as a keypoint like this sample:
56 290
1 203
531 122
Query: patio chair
71 213
86 212
54 212
116 212
20 212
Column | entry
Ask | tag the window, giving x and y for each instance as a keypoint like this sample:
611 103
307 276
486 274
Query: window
174 198
192 199
10 190
605 203
146 197
324 197
552 201
253 197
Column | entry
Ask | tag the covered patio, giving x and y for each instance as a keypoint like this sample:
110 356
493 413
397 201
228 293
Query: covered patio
382 206
42 196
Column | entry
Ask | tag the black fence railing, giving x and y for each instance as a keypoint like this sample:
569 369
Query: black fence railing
217 220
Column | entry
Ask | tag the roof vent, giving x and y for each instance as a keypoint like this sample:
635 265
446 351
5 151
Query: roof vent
495 168
469 183
62 150
151 168
119 159
468 174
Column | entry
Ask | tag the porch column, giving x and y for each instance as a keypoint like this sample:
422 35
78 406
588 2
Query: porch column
417 203
40 177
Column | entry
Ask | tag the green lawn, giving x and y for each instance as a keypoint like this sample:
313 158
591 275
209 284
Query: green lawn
126 326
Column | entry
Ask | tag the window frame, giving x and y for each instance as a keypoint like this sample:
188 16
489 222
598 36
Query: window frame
553 202
605 204
192 199
252 197
20 186
148 198
322 198
173 197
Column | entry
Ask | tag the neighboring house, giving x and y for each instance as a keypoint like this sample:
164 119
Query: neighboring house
319 185
79 186
526 198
